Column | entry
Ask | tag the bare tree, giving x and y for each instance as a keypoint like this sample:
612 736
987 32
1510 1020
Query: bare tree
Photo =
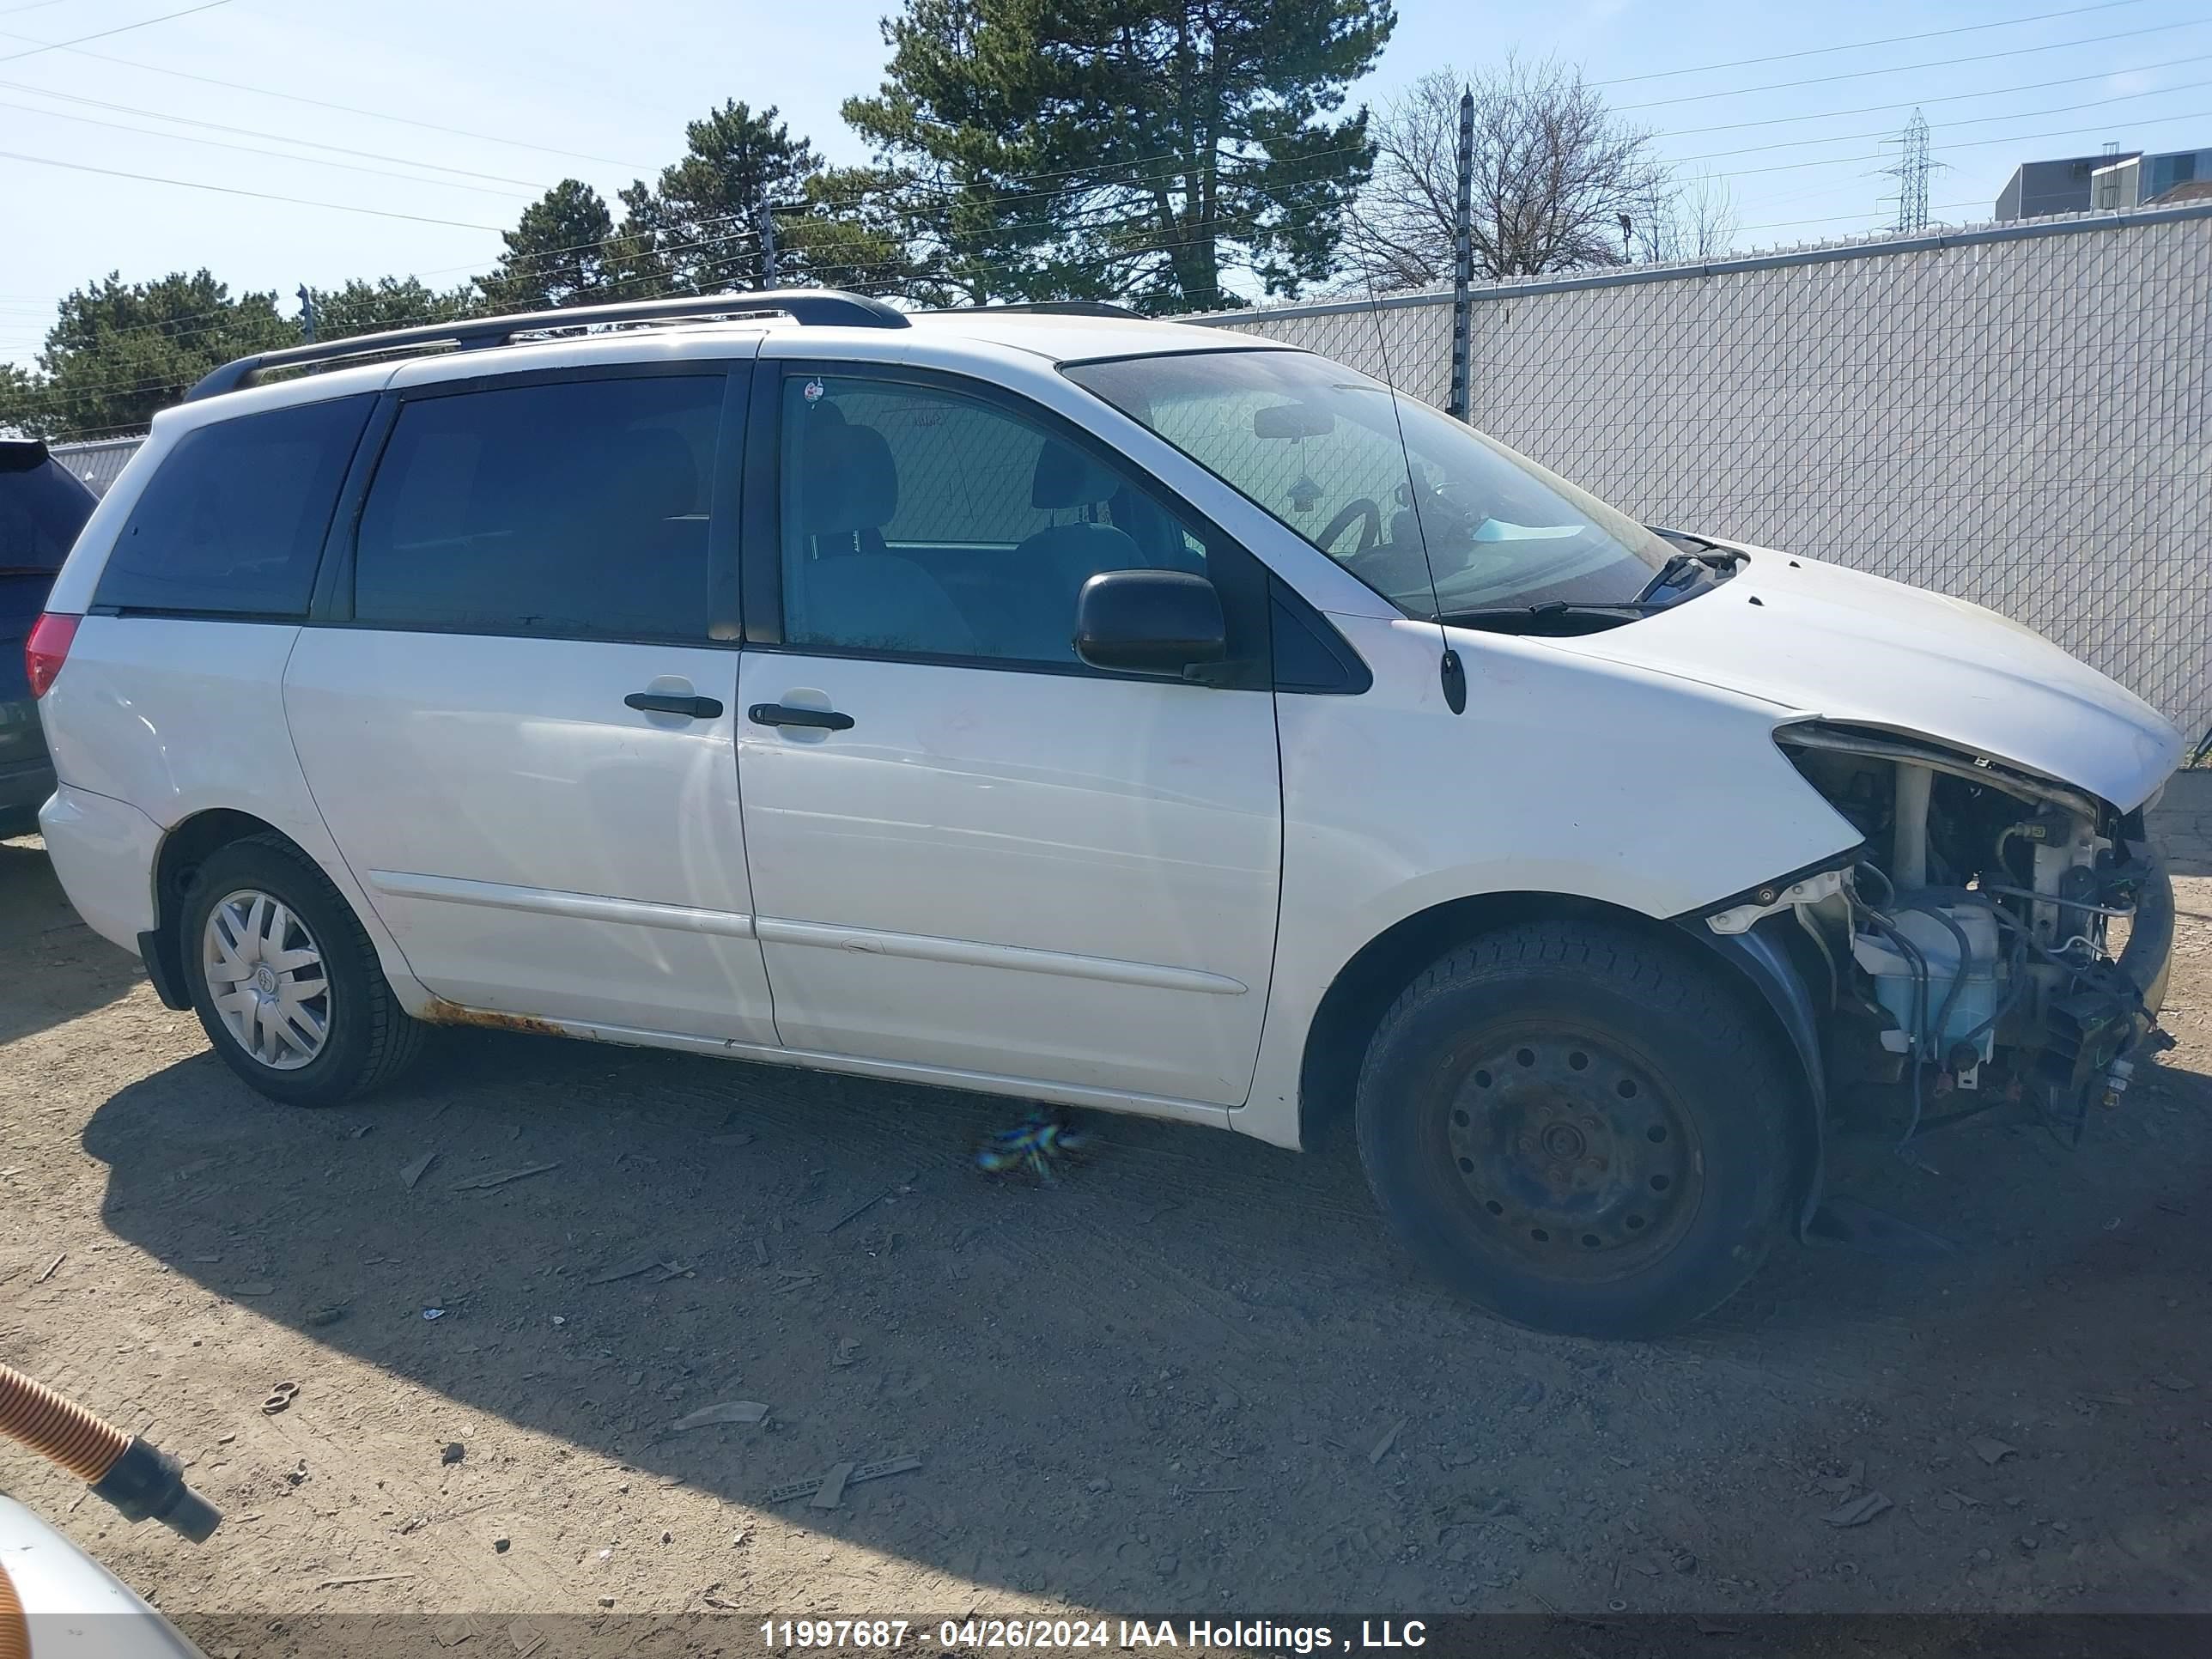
1554 172
1692 218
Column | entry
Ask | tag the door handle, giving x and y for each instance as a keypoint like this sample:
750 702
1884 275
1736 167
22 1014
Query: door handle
658 703
777 714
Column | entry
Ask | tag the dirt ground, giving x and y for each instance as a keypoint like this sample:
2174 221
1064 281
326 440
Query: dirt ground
1192 1378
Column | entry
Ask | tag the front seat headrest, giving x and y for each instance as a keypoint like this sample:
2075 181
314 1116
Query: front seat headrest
849 480
1066 478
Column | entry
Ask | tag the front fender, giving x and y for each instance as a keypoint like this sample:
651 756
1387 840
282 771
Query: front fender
1759 956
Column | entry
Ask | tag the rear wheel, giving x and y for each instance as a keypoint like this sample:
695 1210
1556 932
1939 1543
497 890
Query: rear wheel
1581 1129
285 982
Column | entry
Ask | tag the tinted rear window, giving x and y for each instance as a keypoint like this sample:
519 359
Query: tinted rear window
575 509
41 510
234 522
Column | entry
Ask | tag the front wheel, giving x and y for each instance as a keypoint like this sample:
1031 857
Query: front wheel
1579 1128
285 982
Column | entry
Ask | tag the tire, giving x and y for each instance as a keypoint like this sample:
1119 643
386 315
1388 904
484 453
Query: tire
1581 1129
309 1047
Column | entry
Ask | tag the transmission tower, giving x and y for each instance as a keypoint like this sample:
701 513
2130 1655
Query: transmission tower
1911 171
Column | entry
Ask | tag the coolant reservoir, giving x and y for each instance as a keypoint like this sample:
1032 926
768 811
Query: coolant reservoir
1896 983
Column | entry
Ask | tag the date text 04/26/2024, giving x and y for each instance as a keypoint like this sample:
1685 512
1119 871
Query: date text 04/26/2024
1124 1634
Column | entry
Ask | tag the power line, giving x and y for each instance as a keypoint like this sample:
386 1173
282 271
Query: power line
39 45
251 132
347 109
1860 45
1974 143
1946 97
1970 121
227 190
1901 68
255 149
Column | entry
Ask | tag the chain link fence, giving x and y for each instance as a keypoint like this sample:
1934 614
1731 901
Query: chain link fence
2020 416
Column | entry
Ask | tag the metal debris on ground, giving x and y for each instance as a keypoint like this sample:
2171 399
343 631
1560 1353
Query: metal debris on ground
48 1271
279 1398
414 1171
630 1269
500 1177
325 1316
849 1350
363 1578
454 1452
833 1487
1390 1439
729 1411
1840 1485
1860 1511
433 1313
1990 1452
866 1204
1038 1143
853 1476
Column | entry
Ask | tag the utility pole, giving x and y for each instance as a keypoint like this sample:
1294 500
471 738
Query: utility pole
1462 365
306 314
768 243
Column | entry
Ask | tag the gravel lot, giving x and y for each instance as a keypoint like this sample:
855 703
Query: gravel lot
1191 1378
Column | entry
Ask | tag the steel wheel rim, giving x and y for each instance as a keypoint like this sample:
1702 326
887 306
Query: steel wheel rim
1572 1154
266 979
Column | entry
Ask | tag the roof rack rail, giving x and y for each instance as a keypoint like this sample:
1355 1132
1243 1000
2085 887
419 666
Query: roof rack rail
818 306
1062 308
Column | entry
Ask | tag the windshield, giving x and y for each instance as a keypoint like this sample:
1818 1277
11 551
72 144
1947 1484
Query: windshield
1317 445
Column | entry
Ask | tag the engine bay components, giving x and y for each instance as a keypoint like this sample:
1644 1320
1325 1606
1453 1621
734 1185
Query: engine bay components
1975 926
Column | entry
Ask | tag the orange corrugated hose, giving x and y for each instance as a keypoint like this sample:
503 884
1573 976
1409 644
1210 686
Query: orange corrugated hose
60 1429
15 1629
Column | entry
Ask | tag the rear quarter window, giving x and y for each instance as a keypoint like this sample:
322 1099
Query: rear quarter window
232 523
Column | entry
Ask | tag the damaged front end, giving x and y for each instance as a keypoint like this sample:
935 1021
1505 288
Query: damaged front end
1995 935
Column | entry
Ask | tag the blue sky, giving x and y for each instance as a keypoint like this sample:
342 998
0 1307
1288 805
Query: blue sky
603 92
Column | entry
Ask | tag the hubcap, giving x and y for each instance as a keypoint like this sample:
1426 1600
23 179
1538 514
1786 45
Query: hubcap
1575 1155
265 977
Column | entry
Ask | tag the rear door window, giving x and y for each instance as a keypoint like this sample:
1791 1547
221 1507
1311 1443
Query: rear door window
232 523
41 509
573 509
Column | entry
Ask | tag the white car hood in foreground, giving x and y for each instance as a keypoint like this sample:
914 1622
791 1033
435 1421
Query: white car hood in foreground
1860 650
75 1608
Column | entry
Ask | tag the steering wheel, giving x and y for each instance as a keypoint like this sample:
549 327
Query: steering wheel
1370 530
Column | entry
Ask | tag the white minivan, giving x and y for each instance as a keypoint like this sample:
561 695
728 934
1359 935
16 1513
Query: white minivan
1101 712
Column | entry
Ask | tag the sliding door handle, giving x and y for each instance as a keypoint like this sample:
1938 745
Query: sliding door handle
778 714
658 703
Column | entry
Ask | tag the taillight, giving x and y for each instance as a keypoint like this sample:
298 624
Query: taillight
47 649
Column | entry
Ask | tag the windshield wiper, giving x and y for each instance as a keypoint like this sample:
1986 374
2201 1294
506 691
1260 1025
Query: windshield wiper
1720 561
1503 618
1712 548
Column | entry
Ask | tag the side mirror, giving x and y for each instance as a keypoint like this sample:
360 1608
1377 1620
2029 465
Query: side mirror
1149 621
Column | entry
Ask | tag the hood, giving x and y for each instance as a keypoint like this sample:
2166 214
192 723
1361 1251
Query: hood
1822 641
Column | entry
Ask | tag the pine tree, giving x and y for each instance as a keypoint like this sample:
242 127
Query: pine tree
1172 153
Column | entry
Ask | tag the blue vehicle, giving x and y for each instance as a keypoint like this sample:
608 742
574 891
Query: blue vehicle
42 507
